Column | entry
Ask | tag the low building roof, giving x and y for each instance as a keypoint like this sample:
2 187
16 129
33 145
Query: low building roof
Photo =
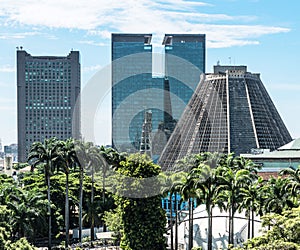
287 151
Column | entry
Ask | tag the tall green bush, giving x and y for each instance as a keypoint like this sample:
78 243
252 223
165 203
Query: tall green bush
143 219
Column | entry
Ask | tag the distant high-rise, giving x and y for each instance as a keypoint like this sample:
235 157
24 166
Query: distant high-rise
135 90
230 111
48 88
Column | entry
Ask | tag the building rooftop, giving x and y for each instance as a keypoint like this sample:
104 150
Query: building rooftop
287 151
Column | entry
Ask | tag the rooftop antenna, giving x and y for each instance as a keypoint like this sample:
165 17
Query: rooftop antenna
218 63
229 60
21 47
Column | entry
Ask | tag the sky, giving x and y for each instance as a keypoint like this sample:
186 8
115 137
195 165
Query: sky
262 34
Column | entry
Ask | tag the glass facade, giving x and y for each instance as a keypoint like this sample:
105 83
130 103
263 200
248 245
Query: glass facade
184 63
134 89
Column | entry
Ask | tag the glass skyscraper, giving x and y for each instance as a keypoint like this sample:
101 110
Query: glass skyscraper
48 90
135 90
184 62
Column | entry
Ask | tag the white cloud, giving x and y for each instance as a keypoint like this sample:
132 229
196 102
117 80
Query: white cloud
23 35
20 35
90 42
91 68
101 17
7 69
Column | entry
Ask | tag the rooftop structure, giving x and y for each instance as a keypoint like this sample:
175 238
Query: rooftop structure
273 161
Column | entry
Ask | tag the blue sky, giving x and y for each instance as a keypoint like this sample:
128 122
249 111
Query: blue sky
262 34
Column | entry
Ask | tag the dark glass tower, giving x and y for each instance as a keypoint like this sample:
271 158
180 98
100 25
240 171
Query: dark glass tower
230 111
132 89
184 63
48 90
135 90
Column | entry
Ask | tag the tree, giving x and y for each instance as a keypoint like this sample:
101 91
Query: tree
205 183
29 210
284 232
109 157
293 175
46 154
200 185
68 159
173 183
276 195
143 219
187 188
95 161
231 180
82 151
251 202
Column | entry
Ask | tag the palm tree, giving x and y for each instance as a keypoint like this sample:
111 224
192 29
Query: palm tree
46 154
188 193
82 151
228 191
189 188
68 159
172 184
277 197
29 212
109 157
251 202
95 162
293 176
205 183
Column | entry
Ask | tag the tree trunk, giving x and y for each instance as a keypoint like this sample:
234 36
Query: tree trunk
171 222
80 204
209 243
252 223
209 228
232 225
229 227
49 212
249 224
92 209
103 194
176 222
190 223
67 211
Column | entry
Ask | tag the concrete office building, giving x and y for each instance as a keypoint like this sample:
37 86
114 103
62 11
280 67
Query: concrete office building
230 111
48 88
136 90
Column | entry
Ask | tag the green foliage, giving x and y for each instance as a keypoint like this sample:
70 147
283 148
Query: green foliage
143 219
7 217
284 232
21 244
113 220
20 165
5 227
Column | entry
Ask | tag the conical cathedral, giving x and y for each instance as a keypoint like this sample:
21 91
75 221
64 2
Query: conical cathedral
230 111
